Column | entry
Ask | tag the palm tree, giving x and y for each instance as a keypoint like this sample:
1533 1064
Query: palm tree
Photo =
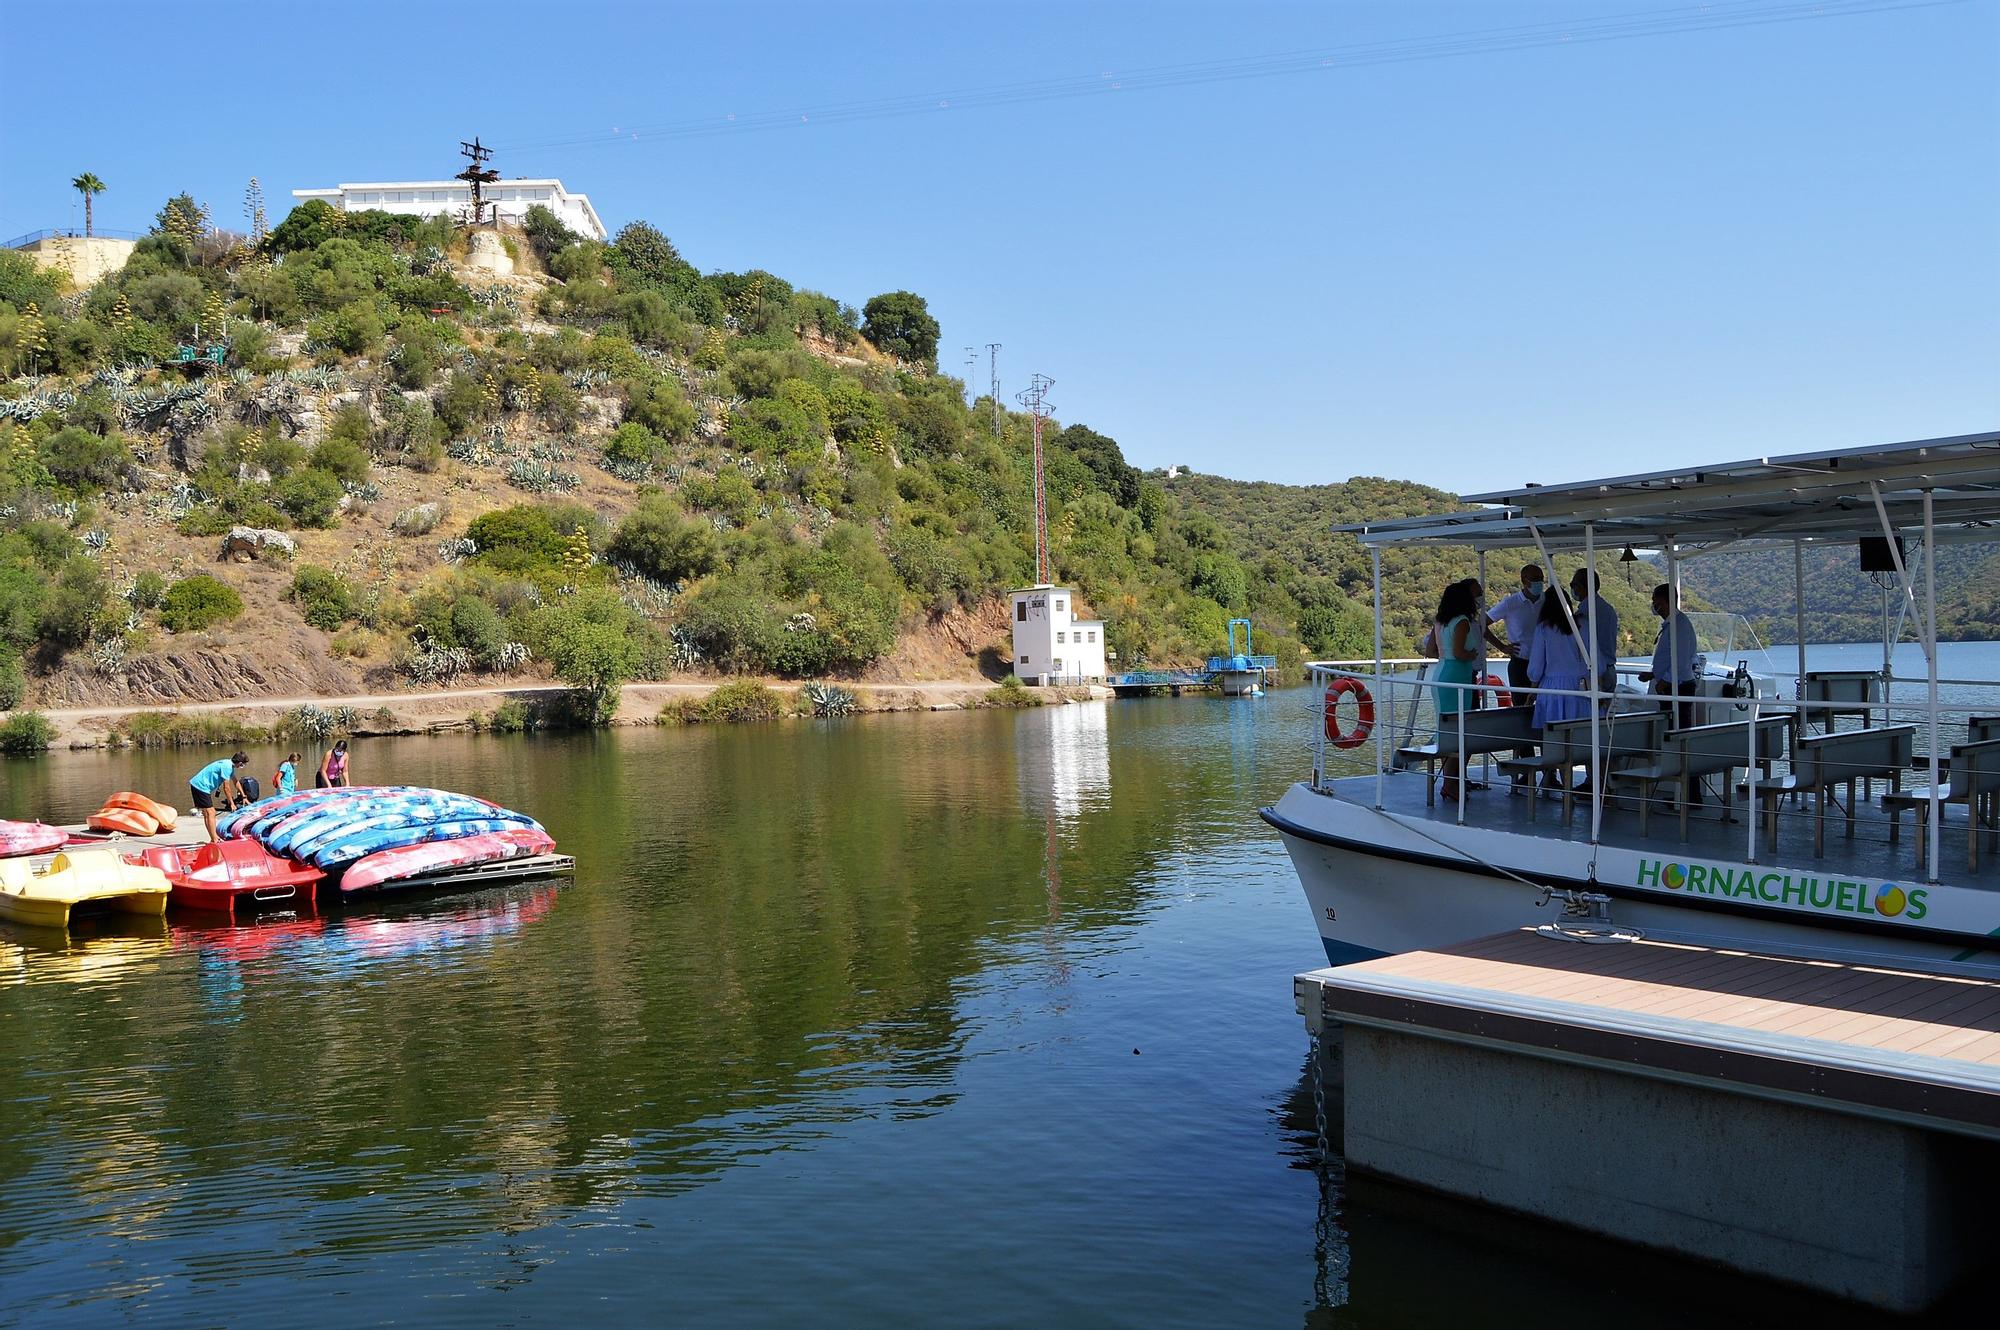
89 186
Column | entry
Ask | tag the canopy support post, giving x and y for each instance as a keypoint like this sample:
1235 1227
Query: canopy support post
1598 778
1930 655
1389 690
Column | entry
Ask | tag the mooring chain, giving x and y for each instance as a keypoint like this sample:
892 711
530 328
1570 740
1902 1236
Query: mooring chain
1323 1235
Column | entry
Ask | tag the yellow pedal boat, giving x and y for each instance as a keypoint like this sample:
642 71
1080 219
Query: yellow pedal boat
87 879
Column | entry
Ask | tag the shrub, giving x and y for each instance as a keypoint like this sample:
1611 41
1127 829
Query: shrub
476 626
75 603
656 539
635 445
344 452
418 521
511 717
26 732
520 539
83 461
323 596
146 591
13 681
310 497
662 408
743 700
1011 693
171 729
194 603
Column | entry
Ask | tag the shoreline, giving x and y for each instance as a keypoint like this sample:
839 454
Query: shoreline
446 711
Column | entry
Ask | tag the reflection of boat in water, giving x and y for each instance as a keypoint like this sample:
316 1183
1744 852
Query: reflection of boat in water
420 928
115 946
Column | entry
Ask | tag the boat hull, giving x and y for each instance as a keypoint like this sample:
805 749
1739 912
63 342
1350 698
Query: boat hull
1379 883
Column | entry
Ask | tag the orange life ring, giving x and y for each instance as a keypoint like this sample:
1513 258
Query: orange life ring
1501 697
1364 719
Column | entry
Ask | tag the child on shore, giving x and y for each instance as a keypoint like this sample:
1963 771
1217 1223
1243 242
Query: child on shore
286 778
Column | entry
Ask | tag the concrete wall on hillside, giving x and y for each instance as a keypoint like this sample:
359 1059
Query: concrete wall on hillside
87 259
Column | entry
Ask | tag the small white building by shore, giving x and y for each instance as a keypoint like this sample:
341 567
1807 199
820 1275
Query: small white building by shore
1052 645
510 200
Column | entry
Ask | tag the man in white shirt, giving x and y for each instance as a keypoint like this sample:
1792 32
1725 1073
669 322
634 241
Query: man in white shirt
1596 617
1673 655
1518 612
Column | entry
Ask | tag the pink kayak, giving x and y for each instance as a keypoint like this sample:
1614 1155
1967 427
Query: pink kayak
406 861
18 838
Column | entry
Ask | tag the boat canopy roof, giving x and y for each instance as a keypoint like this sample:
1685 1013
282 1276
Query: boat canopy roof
1821 497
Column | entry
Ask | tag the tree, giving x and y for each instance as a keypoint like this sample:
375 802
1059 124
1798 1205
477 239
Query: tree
183 220
90 187
900 324
594 659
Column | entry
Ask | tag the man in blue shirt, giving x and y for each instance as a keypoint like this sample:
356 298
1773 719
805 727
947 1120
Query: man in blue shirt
215 781
1596 617
1673 672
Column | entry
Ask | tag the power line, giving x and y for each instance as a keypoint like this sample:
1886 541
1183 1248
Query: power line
1715 16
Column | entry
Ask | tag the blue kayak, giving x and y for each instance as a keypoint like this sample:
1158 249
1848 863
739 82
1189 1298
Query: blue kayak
337 853
297 836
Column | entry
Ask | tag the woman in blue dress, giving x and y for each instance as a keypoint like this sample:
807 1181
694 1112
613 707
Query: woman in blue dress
1459 624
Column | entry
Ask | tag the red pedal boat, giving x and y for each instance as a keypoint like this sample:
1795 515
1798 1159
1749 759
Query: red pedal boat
226 875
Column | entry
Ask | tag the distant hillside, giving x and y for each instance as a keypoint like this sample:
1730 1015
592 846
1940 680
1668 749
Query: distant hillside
1285 532
1842 604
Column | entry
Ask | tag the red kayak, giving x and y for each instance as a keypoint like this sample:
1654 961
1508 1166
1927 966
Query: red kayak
18 838
407 861
229 874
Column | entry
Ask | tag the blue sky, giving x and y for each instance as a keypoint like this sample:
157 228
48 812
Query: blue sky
1536 264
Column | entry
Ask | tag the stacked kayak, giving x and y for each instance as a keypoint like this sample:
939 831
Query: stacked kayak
376 835
20 838
82 879
230 874
133 814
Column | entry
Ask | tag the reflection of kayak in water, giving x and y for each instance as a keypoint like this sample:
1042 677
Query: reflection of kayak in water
372 937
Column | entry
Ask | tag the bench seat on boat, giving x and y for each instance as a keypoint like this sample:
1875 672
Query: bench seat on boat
1624 736
1684 756
1823 762
1487 730
1975 782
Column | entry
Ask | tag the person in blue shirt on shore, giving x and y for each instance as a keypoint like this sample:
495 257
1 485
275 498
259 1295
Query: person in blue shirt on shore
216 781
286 778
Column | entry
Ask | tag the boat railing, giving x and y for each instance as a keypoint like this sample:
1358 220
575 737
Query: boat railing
1787 750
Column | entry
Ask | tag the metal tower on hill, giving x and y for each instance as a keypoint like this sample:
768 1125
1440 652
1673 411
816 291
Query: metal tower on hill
478 175
1036 398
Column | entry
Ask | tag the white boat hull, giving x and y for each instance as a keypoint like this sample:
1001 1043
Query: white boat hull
1380 883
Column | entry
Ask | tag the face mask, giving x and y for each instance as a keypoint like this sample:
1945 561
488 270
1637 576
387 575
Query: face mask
1534 590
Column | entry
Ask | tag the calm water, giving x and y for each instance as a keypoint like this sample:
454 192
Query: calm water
977 1018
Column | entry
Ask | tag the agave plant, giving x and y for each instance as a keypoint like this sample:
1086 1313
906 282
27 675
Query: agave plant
458 549
828 700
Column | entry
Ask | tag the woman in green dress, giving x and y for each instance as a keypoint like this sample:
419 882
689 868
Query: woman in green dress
1460 621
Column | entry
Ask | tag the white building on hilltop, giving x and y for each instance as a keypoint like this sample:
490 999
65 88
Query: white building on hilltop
1051 645
510 199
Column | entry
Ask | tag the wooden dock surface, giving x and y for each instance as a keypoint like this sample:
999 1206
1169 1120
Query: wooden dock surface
1898 1043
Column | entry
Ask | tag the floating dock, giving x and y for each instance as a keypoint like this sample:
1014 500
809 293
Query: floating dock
1830 1124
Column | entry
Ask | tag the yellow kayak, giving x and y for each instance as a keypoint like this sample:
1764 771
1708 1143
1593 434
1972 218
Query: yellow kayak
97 879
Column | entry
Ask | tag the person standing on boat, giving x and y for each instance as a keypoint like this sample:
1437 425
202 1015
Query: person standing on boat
215 781
286 779
1595 615
1458 627
332 767
1518 612
1556 662
1673 673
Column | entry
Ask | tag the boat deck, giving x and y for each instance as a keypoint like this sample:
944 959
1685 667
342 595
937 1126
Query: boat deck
1907 1046
1869 854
